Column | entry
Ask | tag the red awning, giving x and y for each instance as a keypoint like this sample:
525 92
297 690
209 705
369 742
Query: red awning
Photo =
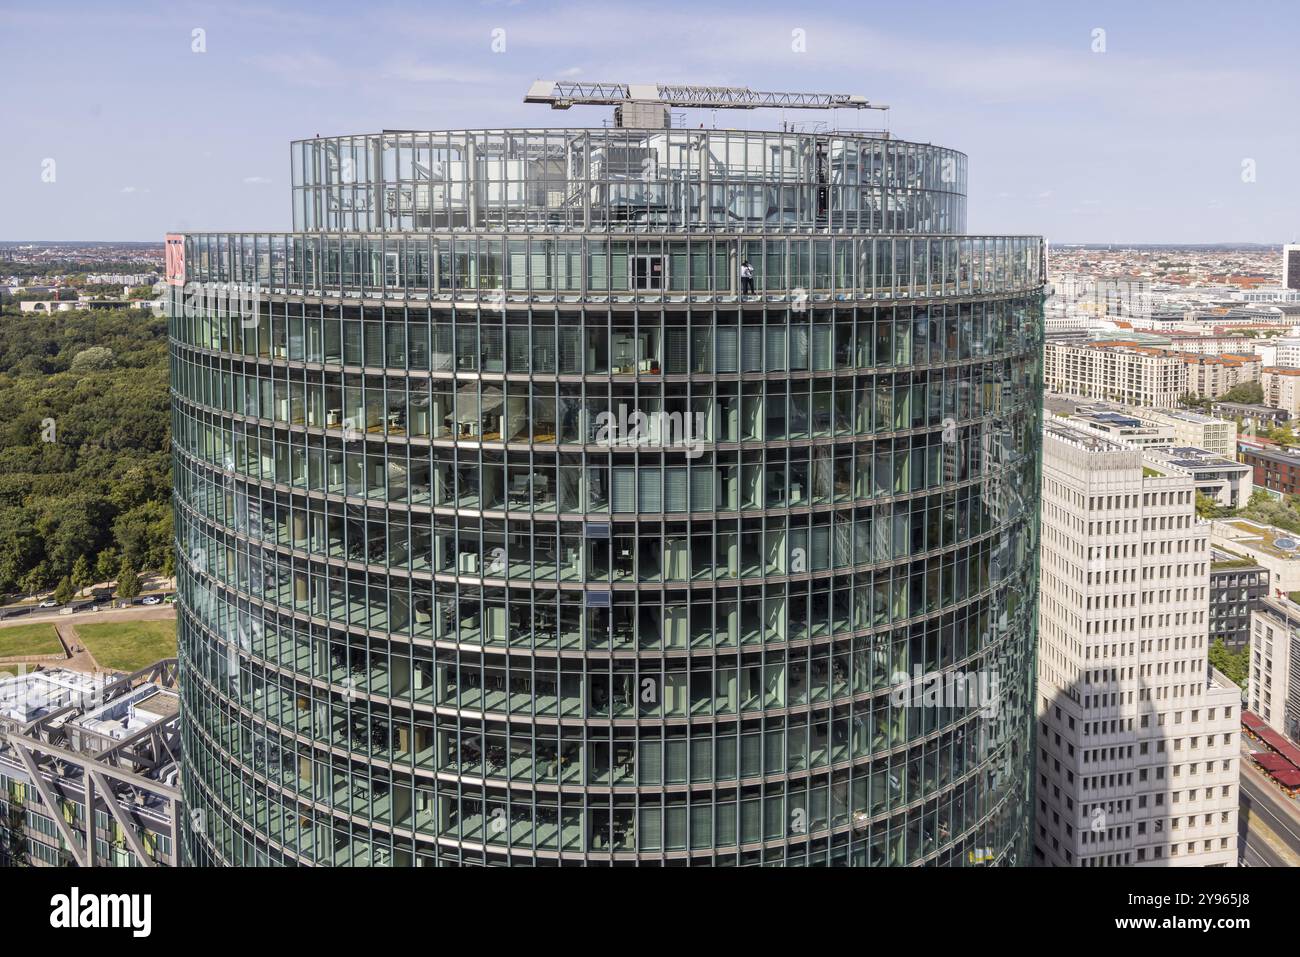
1271 762
1282 746
1253 721
1288 779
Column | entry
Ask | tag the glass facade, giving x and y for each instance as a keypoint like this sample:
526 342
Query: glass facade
516 528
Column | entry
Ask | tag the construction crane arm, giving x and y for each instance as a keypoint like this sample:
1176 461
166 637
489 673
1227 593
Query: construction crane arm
562 95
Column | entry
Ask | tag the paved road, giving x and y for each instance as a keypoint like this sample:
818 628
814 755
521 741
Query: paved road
12 614
1270 821
133 613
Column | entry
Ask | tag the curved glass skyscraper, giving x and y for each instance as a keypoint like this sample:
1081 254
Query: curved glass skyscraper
516 528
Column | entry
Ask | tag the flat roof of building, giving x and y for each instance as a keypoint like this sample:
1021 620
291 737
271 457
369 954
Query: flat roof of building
27 697
1266 539
1087 439
132 712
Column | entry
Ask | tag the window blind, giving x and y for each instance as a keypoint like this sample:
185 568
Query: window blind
675 351
675 490
728 351
650 491
751 349
821 347
702 482
623 490
775 348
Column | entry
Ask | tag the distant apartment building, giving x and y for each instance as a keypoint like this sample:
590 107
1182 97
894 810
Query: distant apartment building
89 768
1210 345
1272 691
1251 418
1274 548
121 279
1210 376
1062 324
1137 748
1115 372
1098 296
1266 349
1291 266
1222 479
1281 389
1286 351
1236 587
1276 469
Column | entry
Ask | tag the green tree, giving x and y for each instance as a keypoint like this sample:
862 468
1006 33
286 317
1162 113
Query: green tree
1207 507
106 565
1250 393
81 573
63 591
32 581
94 359
84 441
128 581
1234 664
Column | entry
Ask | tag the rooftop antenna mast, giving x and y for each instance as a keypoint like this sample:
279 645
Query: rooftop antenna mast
648 105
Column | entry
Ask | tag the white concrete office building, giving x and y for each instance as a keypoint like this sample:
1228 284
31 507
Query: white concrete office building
1137 741
1274 625
1202 431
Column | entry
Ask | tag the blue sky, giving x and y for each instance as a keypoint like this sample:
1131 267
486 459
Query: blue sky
1144 142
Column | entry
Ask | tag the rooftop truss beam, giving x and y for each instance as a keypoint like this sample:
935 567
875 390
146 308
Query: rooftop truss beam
560 95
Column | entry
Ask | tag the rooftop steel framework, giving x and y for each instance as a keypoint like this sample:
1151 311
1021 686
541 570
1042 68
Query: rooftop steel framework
129 777
562 95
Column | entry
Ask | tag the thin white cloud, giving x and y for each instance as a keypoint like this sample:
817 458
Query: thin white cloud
302 69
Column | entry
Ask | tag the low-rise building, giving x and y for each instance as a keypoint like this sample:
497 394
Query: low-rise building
1148 427
1277 469
89 770
1252 418
1236 587
1225 481
1199 431
1276 549
1121 425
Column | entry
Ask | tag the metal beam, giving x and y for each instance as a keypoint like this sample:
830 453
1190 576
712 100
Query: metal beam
562 95
128 828
75 847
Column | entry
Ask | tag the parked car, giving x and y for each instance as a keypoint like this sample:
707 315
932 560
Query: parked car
48 603
150 600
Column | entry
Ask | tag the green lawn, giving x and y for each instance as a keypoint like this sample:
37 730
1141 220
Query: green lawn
129 645
29 640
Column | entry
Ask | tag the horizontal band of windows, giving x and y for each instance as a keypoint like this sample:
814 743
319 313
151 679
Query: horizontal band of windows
493 268
356 804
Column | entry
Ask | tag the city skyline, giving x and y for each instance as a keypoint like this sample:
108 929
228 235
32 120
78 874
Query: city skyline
1113 140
